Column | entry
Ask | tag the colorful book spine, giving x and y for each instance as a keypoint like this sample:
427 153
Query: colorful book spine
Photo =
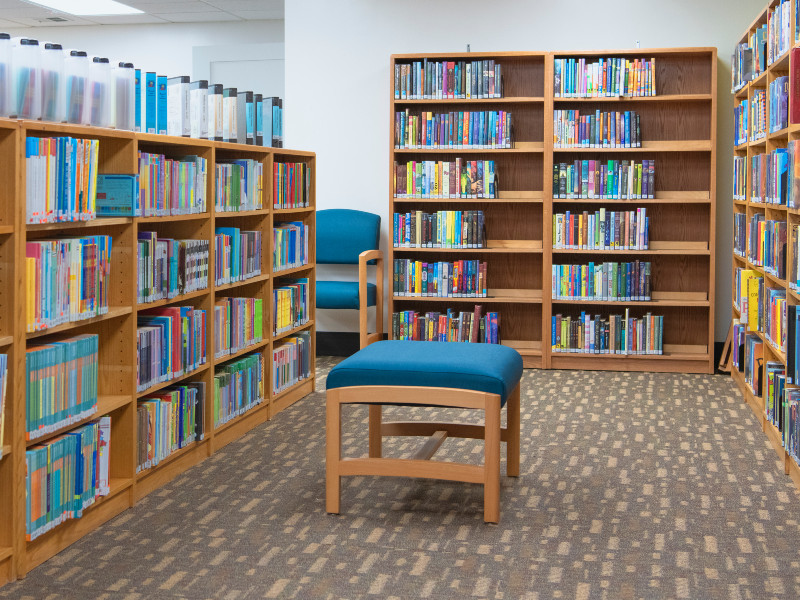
67 280
775 318
610 180
605 77
740 130
290 245
291 361
238 323
602 230
767 245
753 362
459 279
608 281
450 326
779 38
291 185
290 305
613 334
598 129
239 186
442 229
778 93
793 174
237 255
769 176
171 186
3 390
744 65
740 234
238 387
490 129
758 115
428 79
460 178
61 385
60 179
791 416
166 268
740 178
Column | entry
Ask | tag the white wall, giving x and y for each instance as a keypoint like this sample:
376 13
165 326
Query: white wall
337 79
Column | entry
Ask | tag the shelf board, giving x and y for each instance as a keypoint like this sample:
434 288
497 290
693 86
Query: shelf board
168 459
167 301
176 380
506 296
248 413
290 389
6 229
773 278
114 312
759 142
760 81
173 140
280 336
742 146
781 134
504 100
105 405
774 437
6 553
6 450
492 246
98 222
780 63
173 218
242 147
659 98
666 197
519 148
524 347
292 271
292 211
671 352
774 349
248 350
794 469
656 248
651 146
739 258
510 197
241 213
688 299
6 340
235 284
77 130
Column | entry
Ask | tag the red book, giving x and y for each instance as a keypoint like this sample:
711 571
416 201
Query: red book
794 96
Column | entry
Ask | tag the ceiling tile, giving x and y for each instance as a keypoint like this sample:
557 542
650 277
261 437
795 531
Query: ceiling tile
199 17
125 19
183 6
256 15
237 5
39 22
6 24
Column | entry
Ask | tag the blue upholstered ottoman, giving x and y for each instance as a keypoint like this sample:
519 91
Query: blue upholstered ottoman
458 375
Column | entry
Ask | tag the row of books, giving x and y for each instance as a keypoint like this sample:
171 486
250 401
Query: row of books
237 255
774 315
60 179
598 129
239 185
291 361
238 387
740 174
167 268
749 59
781 404
749 286
750 350
67 280
608 281
170 342
460 178
740 130
442 229
238 323
614 334
66 475
767 245
488 129
740 234
291 185
779 32
459 279
770 177
779 104
61 384
612 180
427 79
450 326
605 77
167 421
3 394
793 268
171 186
758 116
602 230
290 245
290 307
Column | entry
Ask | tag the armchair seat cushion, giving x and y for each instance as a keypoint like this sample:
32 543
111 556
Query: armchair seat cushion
342 294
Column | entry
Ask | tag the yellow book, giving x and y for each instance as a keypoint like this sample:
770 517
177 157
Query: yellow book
753 303
30 264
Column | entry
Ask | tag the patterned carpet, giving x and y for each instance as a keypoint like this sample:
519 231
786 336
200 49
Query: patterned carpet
632 486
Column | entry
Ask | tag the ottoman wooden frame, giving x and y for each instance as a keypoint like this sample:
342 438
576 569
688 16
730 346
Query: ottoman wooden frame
421 465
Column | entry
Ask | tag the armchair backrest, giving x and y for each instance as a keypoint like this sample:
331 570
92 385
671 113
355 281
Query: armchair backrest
343 234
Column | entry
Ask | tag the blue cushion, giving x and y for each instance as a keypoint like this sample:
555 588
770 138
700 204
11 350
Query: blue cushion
343 294
488 368
343 234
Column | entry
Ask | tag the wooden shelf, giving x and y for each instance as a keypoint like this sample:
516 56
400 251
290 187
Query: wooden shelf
6 450
496 246
173 218
694 197
6 229
506 100
114 312
659 98
519 148
258 346
105 405
292 271
242 213
651 146
657 248
190 447
175 381
236 284
285 334
506 296
293 211
6 340
176 300
263 405
510 197
5 553
74 225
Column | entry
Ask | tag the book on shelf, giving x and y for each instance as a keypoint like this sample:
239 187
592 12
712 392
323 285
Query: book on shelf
198 109
767 245
178 111
770 177
237 255
291 185
442 229
793 174
612 334
272 117
150 104
170 186
161 102
291 361
774 319
258 104
290 245
602 230
166 268
117 195
753 350
460 178
239 185
740 129
429 79
458 279
758 115
65 476
67 280
3 390
450 326
742 281
607 281
775 379
245 118
604 77
49 406
237 324
779 104
740 234
597 129
290 305
238 387
791 419
488 129
779 38
171 342
215 112
743 67
740 178
230 112
612 179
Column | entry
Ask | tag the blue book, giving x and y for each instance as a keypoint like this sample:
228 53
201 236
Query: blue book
117 195
150 104
138 99
161 95
259 140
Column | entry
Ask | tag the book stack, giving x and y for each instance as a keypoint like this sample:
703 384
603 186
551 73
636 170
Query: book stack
171 342
237 255
290 245
61 385
290 306
614 334
67 279
60 179
171 186
612 179
609 77
238 324
602 230
460 178
291 185
451 326
168 421
442 229
468 79
740 234
458 279
779 36
608 281
167 268
489 129
740 123
597 129
740 178
758 115
238 387
65 476
779 104
291 361
239 186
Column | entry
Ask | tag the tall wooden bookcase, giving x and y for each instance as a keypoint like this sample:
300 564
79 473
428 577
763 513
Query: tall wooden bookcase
117 329
678 131
779 139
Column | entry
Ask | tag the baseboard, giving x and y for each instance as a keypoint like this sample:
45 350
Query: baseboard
717 354
337 343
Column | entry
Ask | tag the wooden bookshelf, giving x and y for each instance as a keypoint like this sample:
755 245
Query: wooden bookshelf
678 131
117 329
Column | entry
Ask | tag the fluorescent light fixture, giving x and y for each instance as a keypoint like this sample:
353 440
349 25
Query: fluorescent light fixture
88 7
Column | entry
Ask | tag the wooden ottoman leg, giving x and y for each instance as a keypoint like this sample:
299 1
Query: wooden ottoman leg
512 434
491 460
333 453
375 434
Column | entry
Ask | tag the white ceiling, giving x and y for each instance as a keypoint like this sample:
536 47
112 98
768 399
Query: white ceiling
18 13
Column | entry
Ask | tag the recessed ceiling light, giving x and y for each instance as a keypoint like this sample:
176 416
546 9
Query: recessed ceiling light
88 7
